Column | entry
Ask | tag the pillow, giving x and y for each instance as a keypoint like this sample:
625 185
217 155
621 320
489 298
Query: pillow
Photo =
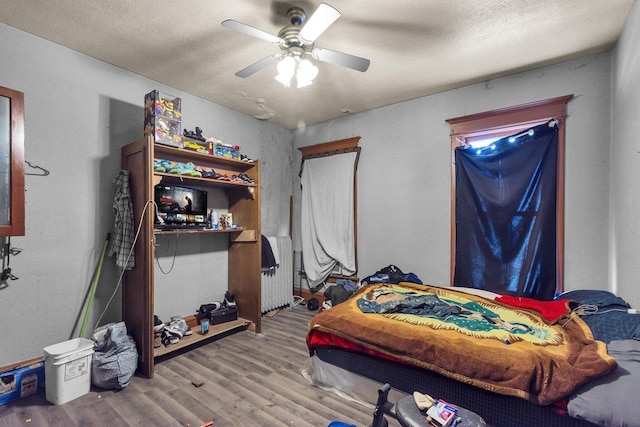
612 400
595 297
610 322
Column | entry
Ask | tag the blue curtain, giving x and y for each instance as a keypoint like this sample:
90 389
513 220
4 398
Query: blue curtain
506 214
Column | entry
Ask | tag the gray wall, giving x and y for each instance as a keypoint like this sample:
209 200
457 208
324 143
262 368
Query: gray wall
79 113
404 174
625 163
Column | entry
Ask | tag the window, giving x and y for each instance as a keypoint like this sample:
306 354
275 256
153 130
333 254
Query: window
329 211
11 162
483 128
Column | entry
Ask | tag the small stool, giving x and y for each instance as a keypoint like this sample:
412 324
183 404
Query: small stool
408 415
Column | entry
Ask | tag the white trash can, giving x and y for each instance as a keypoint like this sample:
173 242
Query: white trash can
67 370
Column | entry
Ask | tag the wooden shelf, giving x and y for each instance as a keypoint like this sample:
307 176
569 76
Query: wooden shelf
237 235
209 182
181 154
200 230
197 336
244 256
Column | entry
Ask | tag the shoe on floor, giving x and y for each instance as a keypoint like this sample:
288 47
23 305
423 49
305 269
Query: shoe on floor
229 299
178 326
158 325
169 337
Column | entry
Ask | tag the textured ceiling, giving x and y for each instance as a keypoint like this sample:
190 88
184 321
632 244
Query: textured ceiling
416 47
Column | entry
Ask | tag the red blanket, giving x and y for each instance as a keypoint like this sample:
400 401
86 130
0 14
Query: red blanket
552 311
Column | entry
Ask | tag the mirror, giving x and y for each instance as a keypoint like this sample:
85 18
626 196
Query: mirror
11 162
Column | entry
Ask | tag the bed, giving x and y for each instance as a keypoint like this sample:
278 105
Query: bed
514 361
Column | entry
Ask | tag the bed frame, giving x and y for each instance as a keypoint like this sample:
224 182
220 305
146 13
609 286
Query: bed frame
496 409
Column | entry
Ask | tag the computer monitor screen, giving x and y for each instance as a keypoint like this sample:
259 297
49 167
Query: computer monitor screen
181 205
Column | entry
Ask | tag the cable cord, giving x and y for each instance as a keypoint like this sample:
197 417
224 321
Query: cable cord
591 310
133 245
173 260
586 309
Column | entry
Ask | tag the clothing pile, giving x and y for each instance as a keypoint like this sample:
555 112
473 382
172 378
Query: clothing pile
340 292
390 274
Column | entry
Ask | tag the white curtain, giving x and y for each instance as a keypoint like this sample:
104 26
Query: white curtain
327 216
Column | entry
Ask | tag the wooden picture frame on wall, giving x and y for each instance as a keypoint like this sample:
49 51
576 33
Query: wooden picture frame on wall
11 162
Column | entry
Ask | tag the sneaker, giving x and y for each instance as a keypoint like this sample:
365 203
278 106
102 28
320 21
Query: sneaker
210 173
178 326
157 166
169 337
245 178
158 325
229 299
190 169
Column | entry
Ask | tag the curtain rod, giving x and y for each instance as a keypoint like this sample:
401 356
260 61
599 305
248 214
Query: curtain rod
329 153
551 123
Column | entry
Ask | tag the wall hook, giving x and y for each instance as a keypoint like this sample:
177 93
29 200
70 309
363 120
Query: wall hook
43 171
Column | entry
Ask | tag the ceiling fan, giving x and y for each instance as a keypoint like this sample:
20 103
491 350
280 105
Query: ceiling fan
297 42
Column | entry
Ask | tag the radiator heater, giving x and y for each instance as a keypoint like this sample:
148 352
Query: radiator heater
277 286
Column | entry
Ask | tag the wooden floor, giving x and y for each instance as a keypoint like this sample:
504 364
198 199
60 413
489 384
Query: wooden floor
248 380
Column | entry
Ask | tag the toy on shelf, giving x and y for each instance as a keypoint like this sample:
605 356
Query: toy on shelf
194 141
225 150
162 118
194 135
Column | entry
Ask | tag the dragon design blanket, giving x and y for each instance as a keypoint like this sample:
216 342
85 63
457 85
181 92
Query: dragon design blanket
489 344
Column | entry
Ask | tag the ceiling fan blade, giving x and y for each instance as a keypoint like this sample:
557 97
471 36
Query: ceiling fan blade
339 58
254 68
321 19
251 31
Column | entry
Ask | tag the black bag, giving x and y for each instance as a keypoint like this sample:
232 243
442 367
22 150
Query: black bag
226 314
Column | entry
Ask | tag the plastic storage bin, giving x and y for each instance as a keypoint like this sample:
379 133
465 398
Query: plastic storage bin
164 131
67 370
162 104
162 118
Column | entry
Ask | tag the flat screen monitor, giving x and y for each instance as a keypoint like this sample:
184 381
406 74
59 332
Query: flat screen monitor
180 206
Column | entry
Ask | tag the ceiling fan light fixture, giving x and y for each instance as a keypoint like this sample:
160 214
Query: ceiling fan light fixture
292 66
306 73
286 70
297 41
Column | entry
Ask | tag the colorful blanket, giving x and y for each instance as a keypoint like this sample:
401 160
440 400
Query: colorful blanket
474 340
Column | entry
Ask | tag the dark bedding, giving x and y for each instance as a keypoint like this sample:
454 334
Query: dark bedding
606 314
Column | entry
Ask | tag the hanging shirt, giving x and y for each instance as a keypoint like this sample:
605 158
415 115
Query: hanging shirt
122 243
269 265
